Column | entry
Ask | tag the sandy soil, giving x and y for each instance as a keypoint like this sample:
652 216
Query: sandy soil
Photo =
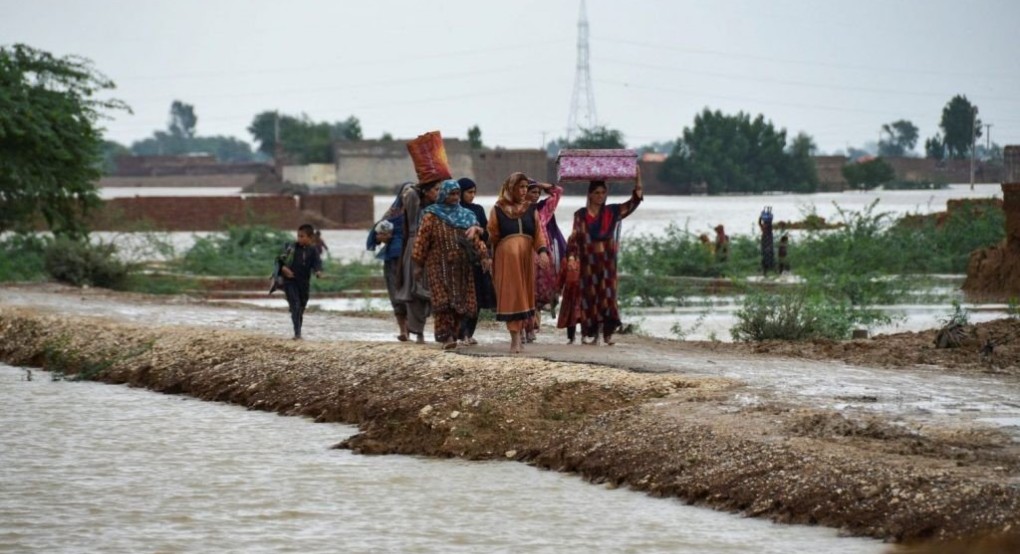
887 437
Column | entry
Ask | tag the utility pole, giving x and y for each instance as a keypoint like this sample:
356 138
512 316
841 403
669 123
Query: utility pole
582 102
973 141
988 137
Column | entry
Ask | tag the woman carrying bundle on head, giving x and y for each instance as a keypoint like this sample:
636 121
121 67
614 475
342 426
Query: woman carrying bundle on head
444 251
596 233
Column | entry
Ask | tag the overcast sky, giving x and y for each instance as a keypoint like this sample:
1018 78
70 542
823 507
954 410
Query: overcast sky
836 70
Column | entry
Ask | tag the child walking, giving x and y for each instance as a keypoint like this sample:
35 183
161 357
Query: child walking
569 283
297 263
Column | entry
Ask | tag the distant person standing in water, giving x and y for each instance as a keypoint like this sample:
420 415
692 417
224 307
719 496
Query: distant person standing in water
722 244
768 255
784 252
298 262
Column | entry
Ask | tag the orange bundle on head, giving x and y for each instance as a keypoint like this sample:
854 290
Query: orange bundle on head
429 157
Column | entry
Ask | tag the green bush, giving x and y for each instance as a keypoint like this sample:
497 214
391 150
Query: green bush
79 262
339 277
22 258
792 316
241 251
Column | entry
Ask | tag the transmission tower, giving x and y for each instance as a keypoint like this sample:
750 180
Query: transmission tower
582 103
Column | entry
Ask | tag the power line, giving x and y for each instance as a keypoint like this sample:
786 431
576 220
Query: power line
1002 76
796 83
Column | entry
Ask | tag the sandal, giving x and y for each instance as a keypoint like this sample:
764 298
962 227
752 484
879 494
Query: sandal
450 346
403 338
470 341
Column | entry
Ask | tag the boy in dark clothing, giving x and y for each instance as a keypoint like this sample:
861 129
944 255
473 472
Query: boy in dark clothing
297 263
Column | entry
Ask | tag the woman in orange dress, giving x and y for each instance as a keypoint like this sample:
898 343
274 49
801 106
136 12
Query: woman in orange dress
515 234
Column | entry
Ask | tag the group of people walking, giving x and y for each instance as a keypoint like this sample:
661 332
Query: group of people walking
443 256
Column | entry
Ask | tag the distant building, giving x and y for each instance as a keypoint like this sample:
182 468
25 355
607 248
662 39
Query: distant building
184 171
384 163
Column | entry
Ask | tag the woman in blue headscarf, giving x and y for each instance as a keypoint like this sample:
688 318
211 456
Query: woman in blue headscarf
447 252
387 235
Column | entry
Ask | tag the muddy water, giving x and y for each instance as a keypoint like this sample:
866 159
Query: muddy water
90 467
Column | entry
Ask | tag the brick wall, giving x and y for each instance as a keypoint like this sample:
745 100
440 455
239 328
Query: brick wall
1011 159
181 213
1011 205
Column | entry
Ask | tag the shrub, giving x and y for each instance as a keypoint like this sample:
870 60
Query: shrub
79 262
241 251
798 316
22 258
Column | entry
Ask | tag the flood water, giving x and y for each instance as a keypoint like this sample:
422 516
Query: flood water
87 467
699 214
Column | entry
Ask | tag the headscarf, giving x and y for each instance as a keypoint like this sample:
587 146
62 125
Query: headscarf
466 184
506 202
454 215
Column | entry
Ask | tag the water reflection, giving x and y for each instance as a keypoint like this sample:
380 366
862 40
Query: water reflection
91 467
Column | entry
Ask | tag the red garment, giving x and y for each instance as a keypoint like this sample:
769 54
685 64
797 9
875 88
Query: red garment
596 239
570 294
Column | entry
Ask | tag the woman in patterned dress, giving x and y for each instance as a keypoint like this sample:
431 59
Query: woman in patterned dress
596 233
446 262
546 289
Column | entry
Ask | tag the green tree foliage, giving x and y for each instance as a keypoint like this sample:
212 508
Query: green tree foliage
935 148
902 138
306 141
659 147
801 152
110 151
868 174
181 138
738 154
50 143
182 119
475 138
960 126
596 137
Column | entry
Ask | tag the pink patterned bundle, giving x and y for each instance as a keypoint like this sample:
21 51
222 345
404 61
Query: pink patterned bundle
597 165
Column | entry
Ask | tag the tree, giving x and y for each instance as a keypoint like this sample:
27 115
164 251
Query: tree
50 141
182 119
902 138
348 129
960 126
599 136
474 135
664 147
935 148
304 140
803 173
738 154
110 151
868 174
180 138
